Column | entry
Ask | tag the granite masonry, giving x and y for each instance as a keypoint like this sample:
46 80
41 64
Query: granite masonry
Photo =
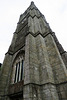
35 66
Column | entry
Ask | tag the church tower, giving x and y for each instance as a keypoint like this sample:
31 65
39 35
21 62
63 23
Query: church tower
35 66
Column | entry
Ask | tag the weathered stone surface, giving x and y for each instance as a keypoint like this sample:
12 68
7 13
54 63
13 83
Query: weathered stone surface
44 62
49 92
55 59
46 74
64 57
6 70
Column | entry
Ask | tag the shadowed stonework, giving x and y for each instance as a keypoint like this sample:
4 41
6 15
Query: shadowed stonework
35 66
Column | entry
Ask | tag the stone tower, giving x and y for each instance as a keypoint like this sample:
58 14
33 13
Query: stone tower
35 66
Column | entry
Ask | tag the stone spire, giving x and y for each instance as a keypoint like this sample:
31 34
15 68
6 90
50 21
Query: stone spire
32 3
36 57
31 21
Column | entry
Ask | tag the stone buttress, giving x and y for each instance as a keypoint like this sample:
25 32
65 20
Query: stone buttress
45 61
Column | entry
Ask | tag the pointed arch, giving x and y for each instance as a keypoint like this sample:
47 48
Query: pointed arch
17 67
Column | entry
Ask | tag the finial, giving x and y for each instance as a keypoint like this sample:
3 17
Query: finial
32 2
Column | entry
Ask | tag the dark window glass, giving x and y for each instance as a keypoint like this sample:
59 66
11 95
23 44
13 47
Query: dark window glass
15 73
19 72
22 70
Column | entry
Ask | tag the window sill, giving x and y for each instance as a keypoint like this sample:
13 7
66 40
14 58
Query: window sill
16 87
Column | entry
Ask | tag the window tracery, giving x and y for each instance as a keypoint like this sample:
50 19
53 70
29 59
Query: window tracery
17 72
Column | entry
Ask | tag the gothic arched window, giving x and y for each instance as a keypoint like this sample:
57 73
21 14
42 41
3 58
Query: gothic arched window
17 71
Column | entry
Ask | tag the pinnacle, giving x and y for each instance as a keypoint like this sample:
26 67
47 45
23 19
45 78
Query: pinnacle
32 3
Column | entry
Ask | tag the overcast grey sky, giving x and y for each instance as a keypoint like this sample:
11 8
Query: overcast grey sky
55 12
